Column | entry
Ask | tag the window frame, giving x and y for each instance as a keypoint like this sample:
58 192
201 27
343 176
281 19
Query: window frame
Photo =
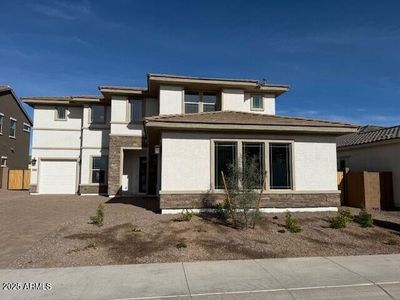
57 115
3 158
15 129
239 156
291 166
28 126
91 169
214 148
252 107
200 103
131 107
91 114
1 123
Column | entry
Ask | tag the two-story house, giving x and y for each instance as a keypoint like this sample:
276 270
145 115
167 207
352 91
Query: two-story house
15 128
173 138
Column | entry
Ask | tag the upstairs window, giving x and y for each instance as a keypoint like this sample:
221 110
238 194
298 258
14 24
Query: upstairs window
98 114
192 100
27 127
1 123
257 102
61 113
137 110
13 127
200 101
3 161
99 169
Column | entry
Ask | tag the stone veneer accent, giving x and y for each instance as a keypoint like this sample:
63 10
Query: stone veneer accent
93 189
114 159
278 200
33 188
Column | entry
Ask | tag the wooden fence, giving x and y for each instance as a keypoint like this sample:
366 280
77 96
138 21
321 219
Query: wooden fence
19 179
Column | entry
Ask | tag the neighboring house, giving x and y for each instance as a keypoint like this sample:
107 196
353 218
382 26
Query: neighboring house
374 149
174 137
15 128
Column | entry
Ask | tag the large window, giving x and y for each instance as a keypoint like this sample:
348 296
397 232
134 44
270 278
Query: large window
200 101
225 158
253 163
137 110
257 102
61 113
98 114
280 166
99 165
13 127
1 123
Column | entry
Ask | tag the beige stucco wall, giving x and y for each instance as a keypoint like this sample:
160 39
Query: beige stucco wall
376 158
237 100
171 100
187 159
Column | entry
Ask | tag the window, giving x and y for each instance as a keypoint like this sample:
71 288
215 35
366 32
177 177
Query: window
137 110
3 161
99 169
13 127
225 158
1 123
98 114
200 101
253 163
61 113
280 166
192 100
27 127
209 101
257 102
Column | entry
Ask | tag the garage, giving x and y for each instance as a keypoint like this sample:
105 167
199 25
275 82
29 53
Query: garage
57 176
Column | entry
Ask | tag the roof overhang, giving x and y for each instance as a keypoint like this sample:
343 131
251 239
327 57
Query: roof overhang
155 80
121 90
10 90
74 100
329 130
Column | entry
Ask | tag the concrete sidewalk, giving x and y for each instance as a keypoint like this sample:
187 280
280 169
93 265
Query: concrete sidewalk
351 277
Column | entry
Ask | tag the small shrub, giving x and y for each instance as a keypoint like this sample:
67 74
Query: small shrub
291 223
181 245
221 212
392 242
364 219
346 213
98 219
92 245
185 216
135 229
339 221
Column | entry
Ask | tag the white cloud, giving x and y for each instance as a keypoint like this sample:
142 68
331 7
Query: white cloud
63 10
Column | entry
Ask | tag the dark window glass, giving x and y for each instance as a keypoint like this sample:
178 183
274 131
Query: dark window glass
13 127
253 163
280 166
209 101
225 158
61 113
98 113
1 123
192 102
99 169
257 102
137 110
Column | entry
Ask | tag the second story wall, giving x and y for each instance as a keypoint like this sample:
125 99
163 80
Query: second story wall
171 100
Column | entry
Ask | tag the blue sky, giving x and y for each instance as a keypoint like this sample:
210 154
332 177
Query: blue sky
341 58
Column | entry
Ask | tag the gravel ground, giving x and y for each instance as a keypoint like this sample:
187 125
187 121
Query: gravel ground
135 235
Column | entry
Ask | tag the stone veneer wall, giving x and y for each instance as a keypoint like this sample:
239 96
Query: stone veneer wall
281 200
114 159
93 189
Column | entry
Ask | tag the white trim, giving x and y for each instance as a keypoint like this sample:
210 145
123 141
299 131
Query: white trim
266 193
29 127
173 211
94 194
1 123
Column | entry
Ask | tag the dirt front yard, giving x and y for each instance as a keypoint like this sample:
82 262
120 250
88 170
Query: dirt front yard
50 231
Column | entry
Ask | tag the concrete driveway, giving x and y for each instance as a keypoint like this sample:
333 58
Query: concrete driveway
351 277
26 219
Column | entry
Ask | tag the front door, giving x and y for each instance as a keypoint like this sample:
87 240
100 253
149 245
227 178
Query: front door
142 174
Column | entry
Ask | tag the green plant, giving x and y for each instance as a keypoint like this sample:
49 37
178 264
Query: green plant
221 212
291 223
364 219
181 245
135 229
339 221
98 219
185 216
392 242
346 213
91 244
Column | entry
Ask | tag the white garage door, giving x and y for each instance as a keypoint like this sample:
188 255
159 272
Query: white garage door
57 177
